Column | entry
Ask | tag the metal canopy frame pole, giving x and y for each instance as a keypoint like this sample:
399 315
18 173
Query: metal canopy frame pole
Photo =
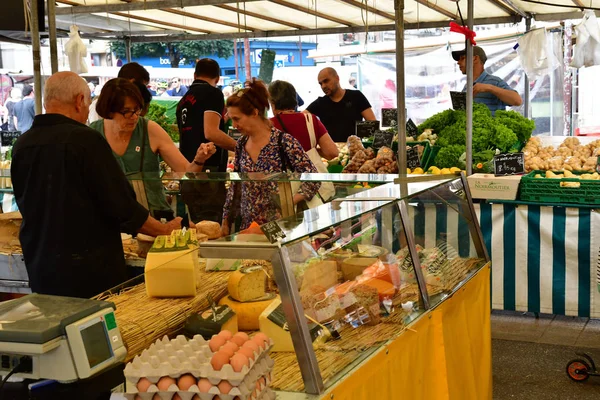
526 91
469 90
400 86
128 49
51 6
37 58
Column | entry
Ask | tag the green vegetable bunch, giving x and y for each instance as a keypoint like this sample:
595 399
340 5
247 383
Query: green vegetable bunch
157 113
520 125
439 121
449 155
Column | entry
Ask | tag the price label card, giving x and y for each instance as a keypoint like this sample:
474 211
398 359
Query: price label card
272 231
366 128
9 137
412 158
383 138
389 116
411 128
509 164
459 100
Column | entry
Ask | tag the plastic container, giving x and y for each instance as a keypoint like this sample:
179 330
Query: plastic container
549 190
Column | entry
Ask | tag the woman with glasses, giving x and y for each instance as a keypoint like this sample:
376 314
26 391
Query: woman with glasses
138 143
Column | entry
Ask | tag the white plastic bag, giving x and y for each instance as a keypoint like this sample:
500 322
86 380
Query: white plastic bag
537 54
76 51
587 48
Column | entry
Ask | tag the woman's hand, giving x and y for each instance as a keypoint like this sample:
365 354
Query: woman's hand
204 152
225 228
298 198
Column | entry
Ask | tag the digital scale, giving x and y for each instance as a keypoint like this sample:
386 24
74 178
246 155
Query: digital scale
59 338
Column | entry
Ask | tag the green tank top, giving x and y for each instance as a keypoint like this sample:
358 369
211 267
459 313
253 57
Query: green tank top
130 163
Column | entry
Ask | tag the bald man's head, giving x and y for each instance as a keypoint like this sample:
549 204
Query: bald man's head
68 94
329 81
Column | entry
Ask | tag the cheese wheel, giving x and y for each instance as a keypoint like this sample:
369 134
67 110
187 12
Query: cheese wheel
247 313
247 284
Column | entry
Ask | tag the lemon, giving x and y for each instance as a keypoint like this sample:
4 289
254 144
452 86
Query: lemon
357 186
455 169
436 171
418 170
408 171
445 171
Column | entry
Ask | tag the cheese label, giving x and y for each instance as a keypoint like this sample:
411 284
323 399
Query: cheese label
277 316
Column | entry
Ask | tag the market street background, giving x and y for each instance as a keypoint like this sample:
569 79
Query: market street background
529 356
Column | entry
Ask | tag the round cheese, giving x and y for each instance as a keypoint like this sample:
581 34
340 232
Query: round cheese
247 284
247 313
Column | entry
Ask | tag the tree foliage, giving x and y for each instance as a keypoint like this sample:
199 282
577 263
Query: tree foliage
176 51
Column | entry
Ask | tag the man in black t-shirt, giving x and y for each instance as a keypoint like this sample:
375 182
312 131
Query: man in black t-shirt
200 120
340 109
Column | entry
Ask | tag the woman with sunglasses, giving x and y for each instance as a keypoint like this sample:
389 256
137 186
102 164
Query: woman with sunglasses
138 143
262 148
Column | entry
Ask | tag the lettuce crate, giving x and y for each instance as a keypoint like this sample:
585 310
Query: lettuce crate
553 190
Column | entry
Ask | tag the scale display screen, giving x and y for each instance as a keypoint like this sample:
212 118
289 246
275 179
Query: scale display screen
96 344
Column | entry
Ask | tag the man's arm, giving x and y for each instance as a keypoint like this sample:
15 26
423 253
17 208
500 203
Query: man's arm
368 114
213 134
507 96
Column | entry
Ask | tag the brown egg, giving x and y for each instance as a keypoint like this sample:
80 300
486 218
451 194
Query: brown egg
247 351
224 387
251 344
261 339
238 361
242 335
164 383
225 335
204 385
143 385
219 359
196 397
230 346
176 397
216 342
186 381
239 341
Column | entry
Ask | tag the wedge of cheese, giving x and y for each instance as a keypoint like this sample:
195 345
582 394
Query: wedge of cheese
247 313
247 284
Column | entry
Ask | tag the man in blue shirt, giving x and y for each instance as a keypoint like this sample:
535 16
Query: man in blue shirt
487 89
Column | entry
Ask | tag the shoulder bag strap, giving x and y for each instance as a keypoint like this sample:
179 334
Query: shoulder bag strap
283 127
311 130
285 164
144 135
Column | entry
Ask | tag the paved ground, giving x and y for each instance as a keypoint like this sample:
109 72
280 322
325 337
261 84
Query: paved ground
529 356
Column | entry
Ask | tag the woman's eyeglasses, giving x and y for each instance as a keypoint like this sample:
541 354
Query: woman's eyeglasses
130 113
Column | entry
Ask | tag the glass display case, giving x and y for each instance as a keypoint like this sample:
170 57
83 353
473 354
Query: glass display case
353 274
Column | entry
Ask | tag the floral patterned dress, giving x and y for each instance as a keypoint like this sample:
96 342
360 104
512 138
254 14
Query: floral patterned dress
254 200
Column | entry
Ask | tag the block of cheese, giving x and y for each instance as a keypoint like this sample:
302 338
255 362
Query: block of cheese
170 269
353 267
247 284
274 324
249 312
320 273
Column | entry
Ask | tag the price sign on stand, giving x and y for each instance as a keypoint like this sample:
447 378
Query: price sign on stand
389 116
412 158
383 138
459 100
509 164
366 128
411 128
272 231
7 138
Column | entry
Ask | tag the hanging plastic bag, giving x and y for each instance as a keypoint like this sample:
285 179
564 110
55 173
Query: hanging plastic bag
76 51
536 54
587 49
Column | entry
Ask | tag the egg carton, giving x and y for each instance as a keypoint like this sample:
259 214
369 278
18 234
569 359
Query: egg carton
170 358
182 356
264 393
262 362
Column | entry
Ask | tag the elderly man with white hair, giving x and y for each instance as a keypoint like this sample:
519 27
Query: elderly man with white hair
74 198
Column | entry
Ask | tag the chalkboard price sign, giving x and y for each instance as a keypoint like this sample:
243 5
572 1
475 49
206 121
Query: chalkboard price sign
459 100
389 116
8 137
383 138
411 128
272 231
366 128
412 158
509 164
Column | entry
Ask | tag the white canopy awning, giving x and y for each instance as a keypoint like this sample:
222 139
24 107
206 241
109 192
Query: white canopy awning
172 20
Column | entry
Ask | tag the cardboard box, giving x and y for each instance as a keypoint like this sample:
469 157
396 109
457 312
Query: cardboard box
489 186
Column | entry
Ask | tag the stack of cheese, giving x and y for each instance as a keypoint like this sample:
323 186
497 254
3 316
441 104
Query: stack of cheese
171 265
248 296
